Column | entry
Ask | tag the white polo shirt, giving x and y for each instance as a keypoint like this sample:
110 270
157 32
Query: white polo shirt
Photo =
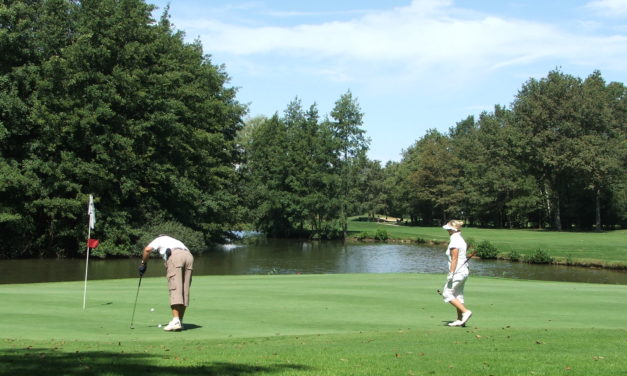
162 243
456 241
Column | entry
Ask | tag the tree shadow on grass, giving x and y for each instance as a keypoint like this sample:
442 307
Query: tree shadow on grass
43 361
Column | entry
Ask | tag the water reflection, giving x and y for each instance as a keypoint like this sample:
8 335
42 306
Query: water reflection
270 256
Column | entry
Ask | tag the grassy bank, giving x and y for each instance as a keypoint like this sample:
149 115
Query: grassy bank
607 249
359 324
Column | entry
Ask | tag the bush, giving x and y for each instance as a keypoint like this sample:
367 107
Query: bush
487 250
470 242
514 256
539 257
381 235
420 240
362 235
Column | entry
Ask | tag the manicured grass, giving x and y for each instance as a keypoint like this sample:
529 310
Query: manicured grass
357 324
606 248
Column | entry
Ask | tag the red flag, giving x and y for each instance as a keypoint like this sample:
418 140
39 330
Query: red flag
92 243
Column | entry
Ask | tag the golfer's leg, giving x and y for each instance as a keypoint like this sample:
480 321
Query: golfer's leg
178 311
459 305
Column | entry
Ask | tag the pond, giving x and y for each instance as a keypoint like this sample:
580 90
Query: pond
280 256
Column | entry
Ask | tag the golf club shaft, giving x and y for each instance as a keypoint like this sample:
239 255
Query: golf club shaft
465 262
136 296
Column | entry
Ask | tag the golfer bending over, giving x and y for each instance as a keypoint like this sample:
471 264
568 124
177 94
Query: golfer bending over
458 272
178 264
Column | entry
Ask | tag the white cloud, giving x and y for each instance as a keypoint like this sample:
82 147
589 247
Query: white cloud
609 8
404 44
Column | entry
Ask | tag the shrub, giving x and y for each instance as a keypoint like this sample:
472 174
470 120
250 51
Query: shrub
421 240
514 256
470 242
362 235
331 230
539 257
487 250
381 235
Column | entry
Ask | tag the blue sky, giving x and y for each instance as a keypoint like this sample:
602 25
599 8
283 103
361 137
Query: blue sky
412 65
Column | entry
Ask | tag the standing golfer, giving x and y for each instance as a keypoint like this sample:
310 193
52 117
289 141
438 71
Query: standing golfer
178 264
458 272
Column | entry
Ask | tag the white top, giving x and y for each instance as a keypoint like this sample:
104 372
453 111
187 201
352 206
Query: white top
162 243
458 242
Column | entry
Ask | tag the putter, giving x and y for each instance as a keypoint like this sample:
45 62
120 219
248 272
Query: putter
136 296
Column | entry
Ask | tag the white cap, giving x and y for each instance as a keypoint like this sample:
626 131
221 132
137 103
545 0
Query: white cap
449 227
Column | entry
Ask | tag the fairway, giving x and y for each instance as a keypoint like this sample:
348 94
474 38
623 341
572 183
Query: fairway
603 248
354 324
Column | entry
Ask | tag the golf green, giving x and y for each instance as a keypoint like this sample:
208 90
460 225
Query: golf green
353 324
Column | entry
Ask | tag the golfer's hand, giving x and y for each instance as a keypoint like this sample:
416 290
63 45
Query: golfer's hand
142 269
449 277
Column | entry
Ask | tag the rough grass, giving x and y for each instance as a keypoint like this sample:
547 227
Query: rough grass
583 248
357 324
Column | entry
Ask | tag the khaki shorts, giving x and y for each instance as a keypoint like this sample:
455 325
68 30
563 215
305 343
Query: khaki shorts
179 274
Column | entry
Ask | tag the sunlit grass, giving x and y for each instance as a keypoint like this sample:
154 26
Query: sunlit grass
358 324
604 247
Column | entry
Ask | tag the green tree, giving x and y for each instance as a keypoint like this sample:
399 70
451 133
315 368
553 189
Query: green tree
118 106
290 176
350 141
603 145
434 177
267 171
498 192
368 193
397 196
548 121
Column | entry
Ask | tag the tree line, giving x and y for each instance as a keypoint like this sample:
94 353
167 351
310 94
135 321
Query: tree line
553 159
97 97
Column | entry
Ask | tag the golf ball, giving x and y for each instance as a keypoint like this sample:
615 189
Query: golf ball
152 309
159 326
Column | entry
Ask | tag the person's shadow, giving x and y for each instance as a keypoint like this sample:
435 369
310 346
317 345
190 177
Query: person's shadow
187 326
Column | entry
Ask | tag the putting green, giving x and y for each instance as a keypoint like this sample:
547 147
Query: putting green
316 324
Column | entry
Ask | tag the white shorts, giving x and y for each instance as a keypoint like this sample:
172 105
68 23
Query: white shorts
455 289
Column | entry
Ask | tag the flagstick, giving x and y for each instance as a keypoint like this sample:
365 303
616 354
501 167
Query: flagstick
86 265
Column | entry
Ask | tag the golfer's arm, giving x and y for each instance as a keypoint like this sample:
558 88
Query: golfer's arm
146 255
454 258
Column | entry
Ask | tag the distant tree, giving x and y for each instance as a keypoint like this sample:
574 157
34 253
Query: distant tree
350 141
498 192
395 197
547 117
571 137
289 173
321 202
434 176
368 192
602 146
